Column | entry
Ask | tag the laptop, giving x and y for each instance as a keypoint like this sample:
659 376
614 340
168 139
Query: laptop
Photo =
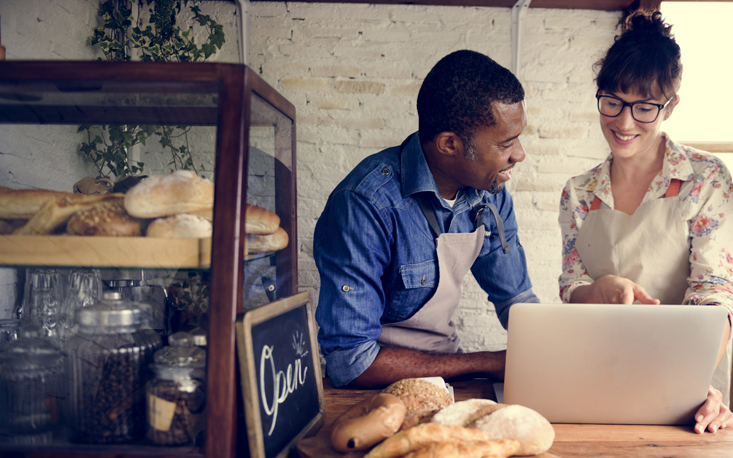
610 363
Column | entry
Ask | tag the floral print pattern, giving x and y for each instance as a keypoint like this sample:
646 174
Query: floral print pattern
707 208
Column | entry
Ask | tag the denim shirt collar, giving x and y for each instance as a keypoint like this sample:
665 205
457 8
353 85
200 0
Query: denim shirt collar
417 177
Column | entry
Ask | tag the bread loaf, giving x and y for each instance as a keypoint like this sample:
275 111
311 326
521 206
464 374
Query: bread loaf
534 433
55 213
260 221
106 219
267 243
419 394
165 195
423 435
24 203
495 448
461 413
180 226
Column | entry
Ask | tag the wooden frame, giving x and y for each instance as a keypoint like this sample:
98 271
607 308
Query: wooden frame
252 390
234 85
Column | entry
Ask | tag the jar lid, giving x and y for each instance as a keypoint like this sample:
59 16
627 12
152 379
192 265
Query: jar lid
109 314
32 350
176 373
199 337
180 357
180 339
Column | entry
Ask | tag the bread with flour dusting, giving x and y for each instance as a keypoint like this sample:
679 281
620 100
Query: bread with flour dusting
165 195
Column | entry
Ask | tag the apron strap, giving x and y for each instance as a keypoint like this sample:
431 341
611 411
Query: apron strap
499 224
672 191
427 210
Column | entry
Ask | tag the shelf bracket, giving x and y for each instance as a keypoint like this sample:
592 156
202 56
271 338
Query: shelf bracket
519 10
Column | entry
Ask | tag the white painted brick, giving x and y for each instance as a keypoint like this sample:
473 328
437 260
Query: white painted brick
391 71
308 84
336 70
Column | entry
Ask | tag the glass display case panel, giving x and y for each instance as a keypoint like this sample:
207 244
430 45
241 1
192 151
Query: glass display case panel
270 159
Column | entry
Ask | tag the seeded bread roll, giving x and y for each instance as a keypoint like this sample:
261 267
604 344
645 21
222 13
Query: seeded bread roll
419 394
165 195
55 213
260 221
107 219
180 226
24 203
267 243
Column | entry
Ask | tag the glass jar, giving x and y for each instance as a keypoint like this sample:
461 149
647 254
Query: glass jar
84 289
31 382
108 359
176 397
8 332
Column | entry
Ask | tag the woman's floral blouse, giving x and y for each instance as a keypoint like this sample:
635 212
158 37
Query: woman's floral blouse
706 205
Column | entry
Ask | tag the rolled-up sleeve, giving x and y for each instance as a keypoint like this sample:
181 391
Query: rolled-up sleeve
350 250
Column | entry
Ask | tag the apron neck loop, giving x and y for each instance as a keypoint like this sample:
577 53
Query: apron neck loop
480 209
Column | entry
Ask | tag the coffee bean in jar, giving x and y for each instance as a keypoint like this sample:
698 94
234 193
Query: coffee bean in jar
176 397
108 359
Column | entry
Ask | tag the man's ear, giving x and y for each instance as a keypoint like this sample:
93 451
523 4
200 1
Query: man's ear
448 143
670 108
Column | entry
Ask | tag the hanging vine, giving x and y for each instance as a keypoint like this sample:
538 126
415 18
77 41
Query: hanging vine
123 37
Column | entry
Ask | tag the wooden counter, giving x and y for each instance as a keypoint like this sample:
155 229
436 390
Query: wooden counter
604 441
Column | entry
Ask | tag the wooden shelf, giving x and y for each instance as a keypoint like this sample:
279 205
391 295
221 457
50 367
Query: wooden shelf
122 252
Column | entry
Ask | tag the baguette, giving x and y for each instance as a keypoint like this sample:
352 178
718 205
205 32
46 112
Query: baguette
24 203
55 213
423 435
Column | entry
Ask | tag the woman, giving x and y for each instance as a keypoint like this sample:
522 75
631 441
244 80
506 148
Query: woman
653 222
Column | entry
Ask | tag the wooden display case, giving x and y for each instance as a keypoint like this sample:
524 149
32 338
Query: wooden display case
249 131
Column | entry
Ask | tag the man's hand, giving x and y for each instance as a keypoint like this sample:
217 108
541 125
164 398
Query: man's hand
713 414
611 289
394 363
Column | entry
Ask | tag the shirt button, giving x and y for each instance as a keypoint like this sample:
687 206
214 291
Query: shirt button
385 171
423 280
345 288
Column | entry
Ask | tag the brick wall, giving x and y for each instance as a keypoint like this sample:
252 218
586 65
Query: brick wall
354 71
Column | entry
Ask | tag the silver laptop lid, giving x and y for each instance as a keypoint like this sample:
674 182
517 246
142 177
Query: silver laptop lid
614 364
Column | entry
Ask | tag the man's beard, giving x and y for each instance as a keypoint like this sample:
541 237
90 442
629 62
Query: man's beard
470 154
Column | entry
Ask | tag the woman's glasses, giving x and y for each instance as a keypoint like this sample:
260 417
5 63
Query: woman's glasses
611 106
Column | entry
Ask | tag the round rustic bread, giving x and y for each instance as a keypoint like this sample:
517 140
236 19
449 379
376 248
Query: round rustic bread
461 413
164 195
534 433
267 243
105 219
181 226
419 394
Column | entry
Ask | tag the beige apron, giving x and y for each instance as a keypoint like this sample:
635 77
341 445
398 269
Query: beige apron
655 236
431 328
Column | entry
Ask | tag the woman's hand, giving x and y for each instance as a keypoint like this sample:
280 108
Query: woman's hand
611 289
713 414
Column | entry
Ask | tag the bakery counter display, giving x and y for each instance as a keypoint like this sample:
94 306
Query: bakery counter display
162 222
418 418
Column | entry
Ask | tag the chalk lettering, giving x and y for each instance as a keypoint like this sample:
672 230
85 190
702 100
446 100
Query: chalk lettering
283 382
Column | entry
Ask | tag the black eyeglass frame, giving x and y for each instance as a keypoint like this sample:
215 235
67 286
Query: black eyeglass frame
625 104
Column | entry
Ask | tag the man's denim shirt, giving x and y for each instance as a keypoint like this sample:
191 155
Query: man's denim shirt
377 260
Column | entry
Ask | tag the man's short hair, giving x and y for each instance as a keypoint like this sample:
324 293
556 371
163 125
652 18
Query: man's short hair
457 94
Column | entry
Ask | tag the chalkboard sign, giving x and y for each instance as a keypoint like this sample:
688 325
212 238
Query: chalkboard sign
281 375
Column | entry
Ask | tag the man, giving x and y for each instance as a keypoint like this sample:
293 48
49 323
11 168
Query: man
400 231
